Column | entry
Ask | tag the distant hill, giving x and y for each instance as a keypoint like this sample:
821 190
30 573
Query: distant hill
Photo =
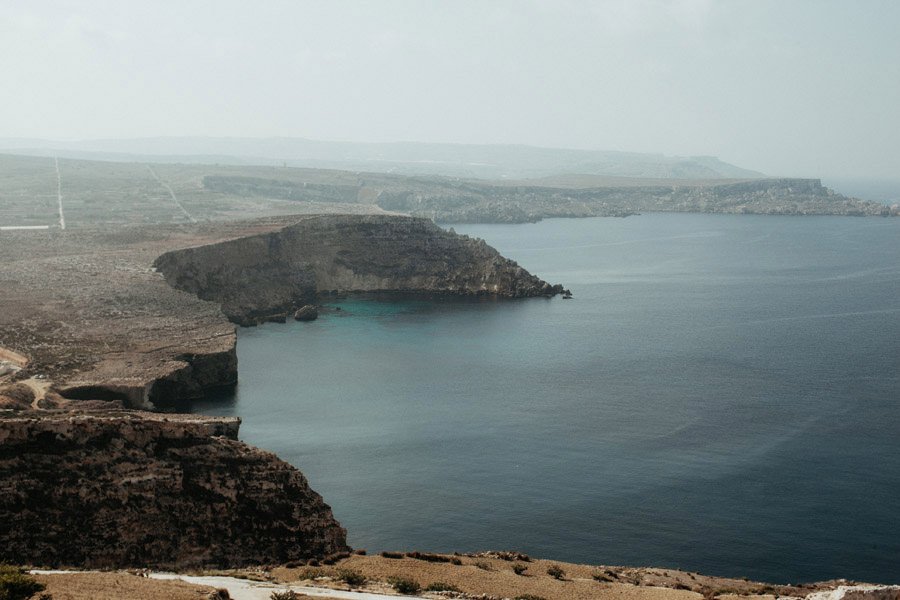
408 158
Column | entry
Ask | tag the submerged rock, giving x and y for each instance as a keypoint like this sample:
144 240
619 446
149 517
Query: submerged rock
306 313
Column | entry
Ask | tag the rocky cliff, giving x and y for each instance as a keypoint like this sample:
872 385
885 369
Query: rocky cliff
268 275
140 489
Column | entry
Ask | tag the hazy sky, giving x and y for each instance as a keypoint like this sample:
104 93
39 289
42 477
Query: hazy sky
787 87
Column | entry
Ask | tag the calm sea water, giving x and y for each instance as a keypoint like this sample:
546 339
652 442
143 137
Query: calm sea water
722 395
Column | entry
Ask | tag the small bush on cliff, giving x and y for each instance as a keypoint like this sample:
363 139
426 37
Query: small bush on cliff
556 572
16 584
285 595
404 585
519 569
311 573
351 577
427 556
440 586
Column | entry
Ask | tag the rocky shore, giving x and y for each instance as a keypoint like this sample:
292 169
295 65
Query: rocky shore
91 314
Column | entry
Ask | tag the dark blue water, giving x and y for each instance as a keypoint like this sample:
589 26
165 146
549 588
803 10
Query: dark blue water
722 395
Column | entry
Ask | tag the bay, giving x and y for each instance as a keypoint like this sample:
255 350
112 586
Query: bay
722 395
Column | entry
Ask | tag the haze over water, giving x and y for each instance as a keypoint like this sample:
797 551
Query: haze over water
721 395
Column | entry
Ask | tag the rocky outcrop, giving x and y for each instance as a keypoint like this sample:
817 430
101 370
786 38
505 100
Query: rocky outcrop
266 276
118 489
859 592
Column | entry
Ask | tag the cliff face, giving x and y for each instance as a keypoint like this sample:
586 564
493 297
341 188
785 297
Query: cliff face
266 276
148 490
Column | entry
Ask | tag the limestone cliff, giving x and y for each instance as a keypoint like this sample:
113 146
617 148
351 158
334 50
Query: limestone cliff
118 489
267 275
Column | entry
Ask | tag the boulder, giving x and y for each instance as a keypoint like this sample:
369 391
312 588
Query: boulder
307 313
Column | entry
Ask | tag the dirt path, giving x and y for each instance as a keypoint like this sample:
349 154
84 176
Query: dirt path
171 194
245 589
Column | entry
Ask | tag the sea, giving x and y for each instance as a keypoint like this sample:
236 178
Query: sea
721 394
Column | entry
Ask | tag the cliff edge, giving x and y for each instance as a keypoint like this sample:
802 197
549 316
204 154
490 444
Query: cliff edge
120 489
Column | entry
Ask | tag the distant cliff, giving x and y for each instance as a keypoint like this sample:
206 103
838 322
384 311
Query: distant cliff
266 276
474 203
147 490
453 200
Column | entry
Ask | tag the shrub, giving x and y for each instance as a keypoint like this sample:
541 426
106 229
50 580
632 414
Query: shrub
404 585
285 595
519 569
604 576
440 586
556 572
484 566
311 573
351 577
392 554
16 584
429 557
455 561
219 594
360 551
530 597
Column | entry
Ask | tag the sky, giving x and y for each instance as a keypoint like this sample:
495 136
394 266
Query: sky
802 87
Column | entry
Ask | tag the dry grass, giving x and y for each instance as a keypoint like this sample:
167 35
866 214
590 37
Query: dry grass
500 580
118 586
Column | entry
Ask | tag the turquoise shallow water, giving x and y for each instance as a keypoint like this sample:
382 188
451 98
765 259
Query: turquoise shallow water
722 395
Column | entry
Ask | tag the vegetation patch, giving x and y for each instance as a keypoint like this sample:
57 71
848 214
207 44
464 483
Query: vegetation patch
429 557
405 585
556 572
16 584
440 586
351 577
